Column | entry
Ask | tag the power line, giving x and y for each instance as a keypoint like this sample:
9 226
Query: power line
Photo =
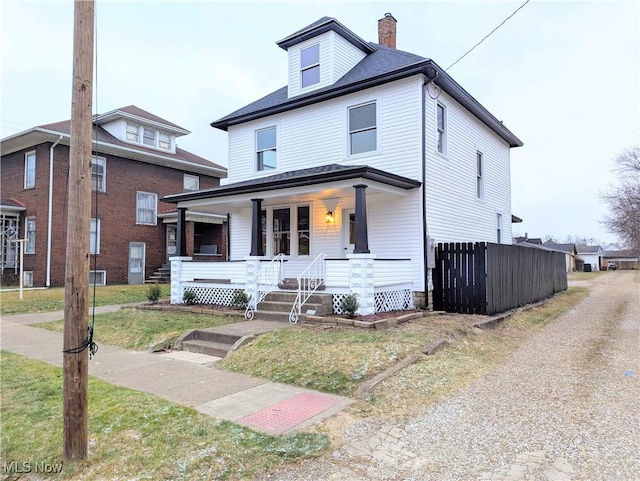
488 35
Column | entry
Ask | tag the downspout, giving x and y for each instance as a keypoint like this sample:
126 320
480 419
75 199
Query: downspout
50 213
425 231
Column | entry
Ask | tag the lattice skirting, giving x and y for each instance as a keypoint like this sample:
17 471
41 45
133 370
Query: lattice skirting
385 301
220 296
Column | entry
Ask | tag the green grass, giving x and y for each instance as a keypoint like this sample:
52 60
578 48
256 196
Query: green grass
133 435
145 330
46 300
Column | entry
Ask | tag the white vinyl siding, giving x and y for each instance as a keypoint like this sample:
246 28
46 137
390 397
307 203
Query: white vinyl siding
318 134
453 211
30 170
345 57
146 208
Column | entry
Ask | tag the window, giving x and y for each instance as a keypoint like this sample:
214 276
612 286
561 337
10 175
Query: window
27 279
133 132
98 174
442 132
310 65
94 237
479 176
362 129
149 137
29 170
499 228
266 149
98 278
281 231
146 208
303 230
30 235
190 182
164 141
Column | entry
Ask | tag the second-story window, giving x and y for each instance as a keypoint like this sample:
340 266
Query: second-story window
479 176
266 158
442 129
29 170
98 174
146 208
310 65
190 183
362 129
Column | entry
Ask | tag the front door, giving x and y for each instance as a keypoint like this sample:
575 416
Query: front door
136 262
172 233
349 230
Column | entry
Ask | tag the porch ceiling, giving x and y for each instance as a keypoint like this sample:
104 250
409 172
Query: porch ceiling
326 182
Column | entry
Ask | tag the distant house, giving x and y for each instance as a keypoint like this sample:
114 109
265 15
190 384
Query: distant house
136 161
526 238
623 259
591 256
570 251
352 171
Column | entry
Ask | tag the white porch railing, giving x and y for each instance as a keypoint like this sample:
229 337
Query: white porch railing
267 280
309 281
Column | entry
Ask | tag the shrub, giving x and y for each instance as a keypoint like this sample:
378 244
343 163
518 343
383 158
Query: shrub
240 299
350 305
154 293
189 297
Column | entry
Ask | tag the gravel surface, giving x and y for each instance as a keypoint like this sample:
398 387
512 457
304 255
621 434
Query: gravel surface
563 407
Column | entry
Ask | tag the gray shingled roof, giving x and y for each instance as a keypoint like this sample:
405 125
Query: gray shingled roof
569 248
318 28
588 249
296 178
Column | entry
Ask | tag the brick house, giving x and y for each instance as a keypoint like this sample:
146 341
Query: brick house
136 162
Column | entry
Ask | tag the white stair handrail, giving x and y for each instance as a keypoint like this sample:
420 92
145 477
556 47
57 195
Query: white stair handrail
309 281
268 278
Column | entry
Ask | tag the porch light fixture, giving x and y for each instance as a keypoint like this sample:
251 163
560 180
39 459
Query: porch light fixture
328 217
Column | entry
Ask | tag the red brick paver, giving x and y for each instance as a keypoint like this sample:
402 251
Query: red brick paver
285 415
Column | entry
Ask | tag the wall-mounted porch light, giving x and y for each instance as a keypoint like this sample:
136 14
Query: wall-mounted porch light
328 217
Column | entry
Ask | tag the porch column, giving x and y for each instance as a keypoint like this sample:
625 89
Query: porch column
181 247
256 229
362 238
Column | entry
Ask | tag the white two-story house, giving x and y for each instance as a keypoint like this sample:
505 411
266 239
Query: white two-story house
352 171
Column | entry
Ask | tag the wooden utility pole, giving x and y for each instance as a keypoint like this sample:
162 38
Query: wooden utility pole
76 294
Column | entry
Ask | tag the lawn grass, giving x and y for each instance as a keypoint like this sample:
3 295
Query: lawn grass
141 330
47 300
132 435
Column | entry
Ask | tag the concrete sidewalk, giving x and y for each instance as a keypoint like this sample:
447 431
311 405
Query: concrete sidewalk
262 405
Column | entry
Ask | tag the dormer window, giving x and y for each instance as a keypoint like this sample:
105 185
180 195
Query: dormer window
148 136
133 132
310 65
164 141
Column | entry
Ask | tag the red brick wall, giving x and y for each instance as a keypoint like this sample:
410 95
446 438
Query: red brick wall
116 209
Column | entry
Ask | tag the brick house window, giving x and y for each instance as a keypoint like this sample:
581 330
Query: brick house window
94 237
98 278
30 170
98 174
30 235
190 183
164 141
133 132
149 136
146 208
27 279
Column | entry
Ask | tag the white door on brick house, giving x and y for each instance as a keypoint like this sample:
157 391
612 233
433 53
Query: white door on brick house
172 236
136 262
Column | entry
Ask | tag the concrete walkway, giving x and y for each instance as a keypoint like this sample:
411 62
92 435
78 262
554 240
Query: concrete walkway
183 378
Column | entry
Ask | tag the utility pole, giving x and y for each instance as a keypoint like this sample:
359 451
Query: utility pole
76 294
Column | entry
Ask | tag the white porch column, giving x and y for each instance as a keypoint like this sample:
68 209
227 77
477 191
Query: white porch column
176 278
361 282
252 264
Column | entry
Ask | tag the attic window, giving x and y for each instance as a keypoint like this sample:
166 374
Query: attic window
149 137
310 65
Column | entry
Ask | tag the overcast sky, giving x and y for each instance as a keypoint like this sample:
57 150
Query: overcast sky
563 76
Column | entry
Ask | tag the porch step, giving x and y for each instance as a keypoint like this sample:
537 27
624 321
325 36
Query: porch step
204 341
216 349
291 284
162 275
277 305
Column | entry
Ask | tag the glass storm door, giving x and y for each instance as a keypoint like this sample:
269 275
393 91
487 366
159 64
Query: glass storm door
136 262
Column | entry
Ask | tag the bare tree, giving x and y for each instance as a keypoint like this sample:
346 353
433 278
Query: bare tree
623 200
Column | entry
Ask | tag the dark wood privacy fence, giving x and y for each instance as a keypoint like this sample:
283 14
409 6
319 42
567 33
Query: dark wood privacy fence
485 278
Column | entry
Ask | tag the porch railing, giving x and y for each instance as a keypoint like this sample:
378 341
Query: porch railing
267 280
309 281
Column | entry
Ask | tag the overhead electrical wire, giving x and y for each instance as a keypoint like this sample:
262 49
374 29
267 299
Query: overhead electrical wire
488 35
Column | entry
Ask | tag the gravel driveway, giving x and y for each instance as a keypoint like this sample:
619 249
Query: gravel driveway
563 407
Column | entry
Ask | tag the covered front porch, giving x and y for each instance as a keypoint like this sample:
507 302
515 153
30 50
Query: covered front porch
310 229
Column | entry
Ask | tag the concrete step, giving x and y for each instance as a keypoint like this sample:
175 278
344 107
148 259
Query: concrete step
217 349
272 316
290 297
211 336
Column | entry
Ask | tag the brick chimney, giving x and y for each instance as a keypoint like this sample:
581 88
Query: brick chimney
387 31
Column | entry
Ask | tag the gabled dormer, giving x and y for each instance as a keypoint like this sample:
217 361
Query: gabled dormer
139 127
320 54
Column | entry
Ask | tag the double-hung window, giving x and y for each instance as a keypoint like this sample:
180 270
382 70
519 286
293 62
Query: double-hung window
442 128
133 132
30 235
164 141
499 228
310 65
98 174
29 170
190 183
146 208
362 128
479 176
94 237
266 153
149 136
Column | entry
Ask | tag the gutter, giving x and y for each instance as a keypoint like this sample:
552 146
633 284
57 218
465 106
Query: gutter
50 211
